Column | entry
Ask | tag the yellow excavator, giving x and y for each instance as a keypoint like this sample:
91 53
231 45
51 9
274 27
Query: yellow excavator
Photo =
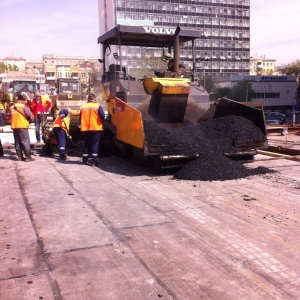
167 99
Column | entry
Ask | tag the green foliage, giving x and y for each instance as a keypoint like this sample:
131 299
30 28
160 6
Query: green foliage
3 67
238 93
9 67
208 83
242 91
223 92
292 68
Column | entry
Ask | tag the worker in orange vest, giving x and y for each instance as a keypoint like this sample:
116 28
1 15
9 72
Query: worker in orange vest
91 116
1 130
20 116
61 127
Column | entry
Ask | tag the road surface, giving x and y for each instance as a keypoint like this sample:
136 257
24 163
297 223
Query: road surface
120 231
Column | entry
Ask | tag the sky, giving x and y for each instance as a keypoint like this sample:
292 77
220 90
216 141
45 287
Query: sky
31 28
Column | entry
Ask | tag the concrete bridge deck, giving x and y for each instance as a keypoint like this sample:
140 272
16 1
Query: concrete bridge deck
119 231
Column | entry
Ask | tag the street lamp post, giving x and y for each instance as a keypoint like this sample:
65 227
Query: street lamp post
247 91
87 79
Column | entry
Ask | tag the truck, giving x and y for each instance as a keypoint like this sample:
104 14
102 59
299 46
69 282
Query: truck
68 95
164 99
11 89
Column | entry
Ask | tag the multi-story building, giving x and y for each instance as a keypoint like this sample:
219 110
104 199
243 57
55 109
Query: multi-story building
224 45
52 67
273 91
68 67
20 62
260 65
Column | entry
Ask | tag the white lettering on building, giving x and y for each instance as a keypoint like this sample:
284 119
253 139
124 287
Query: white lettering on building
135 22
159 30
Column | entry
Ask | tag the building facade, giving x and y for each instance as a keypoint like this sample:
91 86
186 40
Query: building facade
79 67
224 25
52 67
20 62
273 91
260 65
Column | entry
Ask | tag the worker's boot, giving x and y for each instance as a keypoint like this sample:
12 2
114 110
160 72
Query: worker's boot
95 161
20 155
1 149
28 156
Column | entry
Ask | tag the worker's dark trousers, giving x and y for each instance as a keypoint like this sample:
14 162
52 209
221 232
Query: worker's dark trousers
22 140
90 144
37 123
61 139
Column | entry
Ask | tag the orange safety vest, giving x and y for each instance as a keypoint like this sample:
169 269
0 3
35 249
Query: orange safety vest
89 117
65 125
18 117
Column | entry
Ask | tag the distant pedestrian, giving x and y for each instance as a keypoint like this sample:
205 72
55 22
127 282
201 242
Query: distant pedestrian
1 130
61 127
20 116
39 112
91 116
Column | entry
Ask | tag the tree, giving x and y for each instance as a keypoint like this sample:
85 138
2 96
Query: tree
208 83
292 68
223 92
3 67
242 91
9 67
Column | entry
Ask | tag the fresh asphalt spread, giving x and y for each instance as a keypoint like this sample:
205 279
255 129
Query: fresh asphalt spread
209 141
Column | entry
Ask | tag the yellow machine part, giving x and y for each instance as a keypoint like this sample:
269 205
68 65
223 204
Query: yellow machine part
168 85
128 122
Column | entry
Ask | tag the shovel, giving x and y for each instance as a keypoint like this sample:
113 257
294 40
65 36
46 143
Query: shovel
73 146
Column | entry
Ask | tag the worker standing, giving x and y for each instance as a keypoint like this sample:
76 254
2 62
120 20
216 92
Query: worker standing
20 116
61 127
1 130
91 116
38 110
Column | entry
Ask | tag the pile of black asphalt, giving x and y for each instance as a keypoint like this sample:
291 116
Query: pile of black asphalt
209 142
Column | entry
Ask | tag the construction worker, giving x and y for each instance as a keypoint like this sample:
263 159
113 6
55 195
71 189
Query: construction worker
91 116
61 127
39 112
171 67
1 130
19 117
45 98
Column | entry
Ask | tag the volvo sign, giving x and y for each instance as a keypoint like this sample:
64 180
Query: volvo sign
160 30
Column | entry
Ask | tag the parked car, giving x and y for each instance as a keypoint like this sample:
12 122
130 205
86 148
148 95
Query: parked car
276 113
272 122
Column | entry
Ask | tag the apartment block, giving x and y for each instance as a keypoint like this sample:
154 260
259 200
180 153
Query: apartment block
260 65
55 66
224 25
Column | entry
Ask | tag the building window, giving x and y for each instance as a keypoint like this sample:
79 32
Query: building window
272 95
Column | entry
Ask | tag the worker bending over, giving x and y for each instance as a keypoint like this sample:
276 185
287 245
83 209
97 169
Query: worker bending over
91 116
61 129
